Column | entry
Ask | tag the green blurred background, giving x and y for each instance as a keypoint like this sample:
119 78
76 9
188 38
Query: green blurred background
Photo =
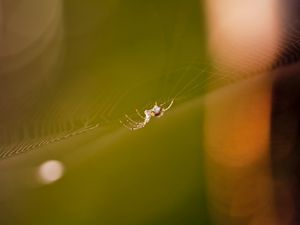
93 62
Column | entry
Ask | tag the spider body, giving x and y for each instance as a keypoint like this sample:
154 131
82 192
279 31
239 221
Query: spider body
155 111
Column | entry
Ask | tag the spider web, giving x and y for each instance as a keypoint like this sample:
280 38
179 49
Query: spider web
88 102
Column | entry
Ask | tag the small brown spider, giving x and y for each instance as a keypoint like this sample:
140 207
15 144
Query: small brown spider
156 111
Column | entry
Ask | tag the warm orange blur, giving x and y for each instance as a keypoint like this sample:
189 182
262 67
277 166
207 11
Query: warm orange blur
244 40
237 130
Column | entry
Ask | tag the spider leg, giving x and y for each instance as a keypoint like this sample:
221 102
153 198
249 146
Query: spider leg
137 128
131 120
139 114
141 125
130 128
134 124
131 124
169 106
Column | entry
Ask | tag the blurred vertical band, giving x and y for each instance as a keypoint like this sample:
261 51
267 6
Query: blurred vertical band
244 36
244 41
31 35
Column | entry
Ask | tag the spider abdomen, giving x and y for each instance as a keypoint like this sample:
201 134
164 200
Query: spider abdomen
156 111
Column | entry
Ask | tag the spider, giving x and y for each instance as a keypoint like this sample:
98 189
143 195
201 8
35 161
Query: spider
156 111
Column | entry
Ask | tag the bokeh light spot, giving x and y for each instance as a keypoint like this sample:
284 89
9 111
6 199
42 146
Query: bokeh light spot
51 171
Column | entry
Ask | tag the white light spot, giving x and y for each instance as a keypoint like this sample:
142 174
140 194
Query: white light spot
51 171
